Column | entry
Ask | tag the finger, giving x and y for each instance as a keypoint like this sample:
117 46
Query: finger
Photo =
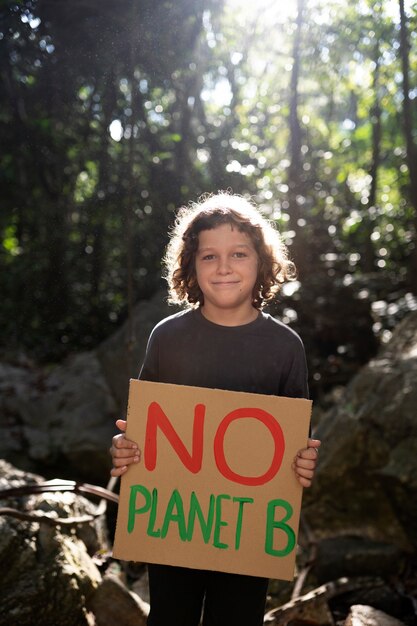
120 442
314 444
305 472
124 454
304 482
308 464
119 462
307 453
118 471
121 424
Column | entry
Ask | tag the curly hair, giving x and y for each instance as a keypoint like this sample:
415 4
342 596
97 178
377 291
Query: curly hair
274 267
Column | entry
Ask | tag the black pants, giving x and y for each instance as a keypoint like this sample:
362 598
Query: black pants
177 595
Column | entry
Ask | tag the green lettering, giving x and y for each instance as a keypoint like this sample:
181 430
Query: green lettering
175 503
205 524
272 523
152 516
242 502
219 522
134 490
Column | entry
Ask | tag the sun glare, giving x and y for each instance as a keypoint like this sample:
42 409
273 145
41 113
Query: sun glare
280 11
116 130
259 35
272 11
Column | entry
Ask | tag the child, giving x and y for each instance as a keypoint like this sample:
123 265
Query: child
225 261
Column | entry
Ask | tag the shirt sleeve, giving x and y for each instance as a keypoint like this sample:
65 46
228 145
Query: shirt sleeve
150 367
295 384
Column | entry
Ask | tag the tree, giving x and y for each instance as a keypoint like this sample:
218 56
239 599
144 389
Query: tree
67 77
408 122
110 120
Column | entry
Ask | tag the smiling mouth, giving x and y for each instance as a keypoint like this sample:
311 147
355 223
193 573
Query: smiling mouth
226 283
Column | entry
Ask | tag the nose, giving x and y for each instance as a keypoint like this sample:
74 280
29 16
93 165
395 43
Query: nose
223 266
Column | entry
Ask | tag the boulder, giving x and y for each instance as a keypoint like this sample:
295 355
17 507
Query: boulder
361 615
49 572
356 556
60 420
112 603
366 482
121 355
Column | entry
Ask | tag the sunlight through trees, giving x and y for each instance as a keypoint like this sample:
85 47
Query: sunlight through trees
112 119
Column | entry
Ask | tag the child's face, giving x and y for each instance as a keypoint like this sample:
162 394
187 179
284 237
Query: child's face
226 268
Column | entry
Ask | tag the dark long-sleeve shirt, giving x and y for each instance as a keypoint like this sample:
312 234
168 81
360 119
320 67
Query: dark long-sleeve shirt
264 356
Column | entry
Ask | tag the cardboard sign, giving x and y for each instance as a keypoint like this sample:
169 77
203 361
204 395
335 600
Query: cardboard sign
215 488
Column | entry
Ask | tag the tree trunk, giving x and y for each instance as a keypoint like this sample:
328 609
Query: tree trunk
130 195
295 179
100 204
368 259
408 132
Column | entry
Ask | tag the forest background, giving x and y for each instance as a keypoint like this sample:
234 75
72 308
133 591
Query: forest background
112 115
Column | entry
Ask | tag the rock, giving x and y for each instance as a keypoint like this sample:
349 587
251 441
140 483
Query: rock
383 597
113 604
117 361
366 480
49 573
141 586
313 607
11 477
60 421
18 386
355 556
361 615
51 577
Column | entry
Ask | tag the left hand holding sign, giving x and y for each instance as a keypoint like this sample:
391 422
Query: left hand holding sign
305 462
123 451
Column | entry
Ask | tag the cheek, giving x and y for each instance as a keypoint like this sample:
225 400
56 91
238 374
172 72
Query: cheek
255 270
199 273
258 268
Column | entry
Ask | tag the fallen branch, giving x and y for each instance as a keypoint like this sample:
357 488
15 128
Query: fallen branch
57 485
314 606
61 485
311 558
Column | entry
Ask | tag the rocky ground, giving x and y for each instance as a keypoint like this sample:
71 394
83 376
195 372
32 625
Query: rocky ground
356 564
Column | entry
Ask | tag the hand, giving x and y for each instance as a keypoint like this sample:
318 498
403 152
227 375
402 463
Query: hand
305 462
123 451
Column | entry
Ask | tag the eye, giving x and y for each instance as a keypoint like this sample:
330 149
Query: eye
207 257
240 255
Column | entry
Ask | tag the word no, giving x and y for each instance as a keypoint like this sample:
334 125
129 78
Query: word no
193 461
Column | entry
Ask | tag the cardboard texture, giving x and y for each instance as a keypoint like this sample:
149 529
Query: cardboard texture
214 488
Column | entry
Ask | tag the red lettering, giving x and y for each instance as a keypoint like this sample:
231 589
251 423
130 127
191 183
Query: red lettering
158 419
278 437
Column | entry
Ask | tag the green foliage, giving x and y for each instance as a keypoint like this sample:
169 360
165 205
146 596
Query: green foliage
109 120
